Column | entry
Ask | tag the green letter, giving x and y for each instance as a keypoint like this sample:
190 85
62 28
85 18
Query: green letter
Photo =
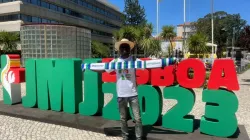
176 118
30 77
93 96
59 80
219 119
150 100
111 111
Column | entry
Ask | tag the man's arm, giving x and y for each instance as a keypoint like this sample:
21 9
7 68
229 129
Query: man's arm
108 71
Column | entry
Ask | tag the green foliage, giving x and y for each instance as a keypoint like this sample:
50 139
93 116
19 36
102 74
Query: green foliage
224 24
244 39
99 50
134 13
9 41
168 33
142 37
151 46
197 44
132 33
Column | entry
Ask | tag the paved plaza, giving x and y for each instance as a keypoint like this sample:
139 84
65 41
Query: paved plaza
20 129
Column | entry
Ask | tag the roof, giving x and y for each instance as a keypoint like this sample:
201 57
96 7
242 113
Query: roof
174 39
186 24
112 6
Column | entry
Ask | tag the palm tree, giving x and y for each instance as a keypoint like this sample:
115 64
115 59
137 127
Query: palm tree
168 33
141 36
151 46
9 41
197 44
99 50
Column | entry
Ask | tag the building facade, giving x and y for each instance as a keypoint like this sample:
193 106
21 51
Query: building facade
101 18
189 30
54 41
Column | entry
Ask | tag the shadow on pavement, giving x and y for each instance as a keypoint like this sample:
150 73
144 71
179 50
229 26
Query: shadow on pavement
246 80
155 130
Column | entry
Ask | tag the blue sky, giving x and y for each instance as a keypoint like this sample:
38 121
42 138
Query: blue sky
171 11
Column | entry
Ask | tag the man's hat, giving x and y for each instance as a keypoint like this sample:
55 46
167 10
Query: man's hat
124 41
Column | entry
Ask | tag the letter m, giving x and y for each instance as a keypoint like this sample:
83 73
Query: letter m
59 84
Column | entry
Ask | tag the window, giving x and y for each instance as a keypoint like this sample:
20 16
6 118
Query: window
28 1
84 3
98 9
90 6
45 4
80 2
35 20
26 18
9 17
73 13
53 7
94 8
60 9
67 11
44 20
34 2
54 22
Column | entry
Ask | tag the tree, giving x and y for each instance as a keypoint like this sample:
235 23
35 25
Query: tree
9 41
225 27
151 46
99 50
197 44
168 33
142 37
134 13
244 38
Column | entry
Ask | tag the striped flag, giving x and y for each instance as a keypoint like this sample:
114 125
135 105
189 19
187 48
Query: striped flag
156 63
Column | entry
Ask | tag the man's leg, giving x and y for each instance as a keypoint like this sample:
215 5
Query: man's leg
123 104
134 104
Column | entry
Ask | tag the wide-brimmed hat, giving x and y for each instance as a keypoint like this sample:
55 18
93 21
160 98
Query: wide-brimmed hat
124 41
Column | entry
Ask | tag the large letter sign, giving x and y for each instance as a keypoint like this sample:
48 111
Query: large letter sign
56 89
11 77
93 96
219 118
150 100
176 117
56 84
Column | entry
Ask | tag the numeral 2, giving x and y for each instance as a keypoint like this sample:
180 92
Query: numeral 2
176 118
110 111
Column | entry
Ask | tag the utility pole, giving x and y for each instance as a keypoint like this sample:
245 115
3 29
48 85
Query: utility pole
157 17
212 14
184 26
233 40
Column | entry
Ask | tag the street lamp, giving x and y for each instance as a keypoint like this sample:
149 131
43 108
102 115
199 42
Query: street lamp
184 26
212 20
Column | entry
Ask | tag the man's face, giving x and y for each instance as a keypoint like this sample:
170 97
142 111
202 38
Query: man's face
124 50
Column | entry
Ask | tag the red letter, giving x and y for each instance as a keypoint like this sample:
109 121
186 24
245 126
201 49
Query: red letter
199 76
162 77
108 77
143 76
229 80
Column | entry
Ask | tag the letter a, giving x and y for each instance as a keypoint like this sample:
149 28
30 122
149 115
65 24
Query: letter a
228 80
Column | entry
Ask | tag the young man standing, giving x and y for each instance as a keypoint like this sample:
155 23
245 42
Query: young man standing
127 90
